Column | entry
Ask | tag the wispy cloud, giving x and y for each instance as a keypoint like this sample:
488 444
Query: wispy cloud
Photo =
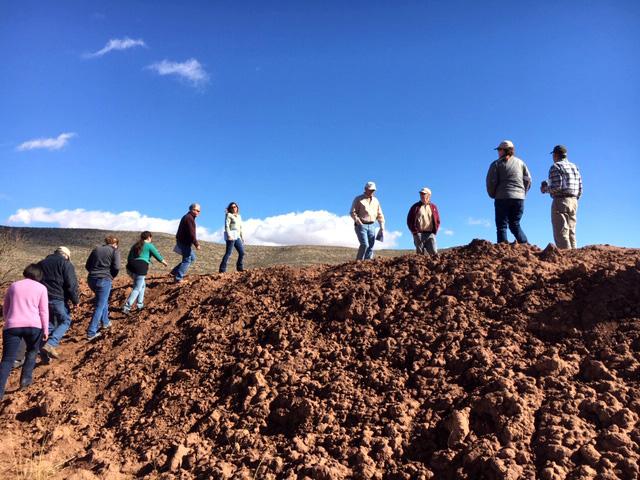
190 70
117 44
449 232
47 143
311 227
483 222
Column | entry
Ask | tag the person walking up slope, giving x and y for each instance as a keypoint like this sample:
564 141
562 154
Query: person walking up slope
233 237
185 240
103 266
365 210
565 187
423 221
138 263
508 181
26 317
59 276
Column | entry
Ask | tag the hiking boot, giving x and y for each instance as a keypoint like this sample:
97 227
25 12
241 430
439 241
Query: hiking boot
51 351
93 337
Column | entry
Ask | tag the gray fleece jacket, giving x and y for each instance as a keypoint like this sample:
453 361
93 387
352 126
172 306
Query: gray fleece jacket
103 262
508 179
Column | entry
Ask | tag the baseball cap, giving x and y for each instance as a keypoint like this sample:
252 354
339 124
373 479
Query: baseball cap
559 149
370 186
425 190
505 144
64 250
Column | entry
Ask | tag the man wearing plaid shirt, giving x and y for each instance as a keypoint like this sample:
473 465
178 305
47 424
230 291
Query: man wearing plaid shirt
565 187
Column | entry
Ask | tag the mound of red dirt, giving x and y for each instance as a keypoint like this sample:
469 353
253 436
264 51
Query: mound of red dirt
488 361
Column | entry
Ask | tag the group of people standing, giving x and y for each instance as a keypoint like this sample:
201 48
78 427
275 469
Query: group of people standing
508 181
37 310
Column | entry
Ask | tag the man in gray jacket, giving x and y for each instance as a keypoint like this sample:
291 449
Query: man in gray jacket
508 181
103 266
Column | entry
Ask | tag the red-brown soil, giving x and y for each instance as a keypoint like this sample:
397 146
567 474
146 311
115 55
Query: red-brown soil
489 361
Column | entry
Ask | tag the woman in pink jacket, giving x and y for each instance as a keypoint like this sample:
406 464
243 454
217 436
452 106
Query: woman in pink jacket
26 317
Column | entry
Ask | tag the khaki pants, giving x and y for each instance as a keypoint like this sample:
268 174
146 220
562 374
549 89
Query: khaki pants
563 219
425 243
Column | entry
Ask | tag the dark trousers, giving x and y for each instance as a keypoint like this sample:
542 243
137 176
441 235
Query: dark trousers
240 248
509 212
11 340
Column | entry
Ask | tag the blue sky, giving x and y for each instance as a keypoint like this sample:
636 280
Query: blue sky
288 108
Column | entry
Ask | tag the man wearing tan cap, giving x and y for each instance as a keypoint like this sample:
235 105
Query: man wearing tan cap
365 210
59 276
423 221
565 187
508 181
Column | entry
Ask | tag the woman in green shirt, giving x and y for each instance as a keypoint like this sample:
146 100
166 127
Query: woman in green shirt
138 266
233 237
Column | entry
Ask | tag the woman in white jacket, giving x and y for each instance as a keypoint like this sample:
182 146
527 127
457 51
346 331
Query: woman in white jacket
233 237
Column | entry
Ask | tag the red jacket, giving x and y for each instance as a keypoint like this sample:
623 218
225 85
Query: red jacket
412 217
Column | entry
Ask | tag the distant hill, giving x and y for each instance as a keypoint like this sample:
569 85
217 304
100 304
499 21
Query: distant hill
20 246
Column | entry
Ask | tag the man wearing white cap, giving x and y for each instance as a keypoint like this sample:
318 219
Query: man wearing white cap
423 221
508 181
59 276
365 210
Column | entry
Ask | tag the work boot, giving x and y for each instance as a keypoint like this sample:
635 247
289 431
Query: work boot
51 351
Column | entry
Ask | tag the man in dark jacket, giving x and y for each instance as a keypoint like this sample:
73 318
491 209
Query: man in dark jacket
103 266
185 240
59 276
423 221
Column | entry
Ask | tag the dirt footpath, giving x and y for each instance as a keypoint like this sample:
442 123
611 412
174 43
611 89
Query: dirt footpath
489 361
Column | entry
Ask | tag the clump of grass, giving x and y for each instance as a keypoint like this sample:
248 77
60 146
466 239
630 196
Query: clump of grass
32 467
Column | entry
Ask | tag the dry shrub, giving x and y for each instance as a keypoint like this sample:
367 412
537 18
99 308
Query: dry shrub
9 243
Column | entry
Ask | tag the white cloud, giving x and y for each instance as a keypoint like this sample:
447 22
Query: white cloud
48 143
190 70
449 232
117 44
311 227
479 221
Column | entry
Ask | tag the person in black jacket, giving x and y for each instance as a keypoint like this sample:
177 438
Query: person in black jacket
103 266
185 240
59 276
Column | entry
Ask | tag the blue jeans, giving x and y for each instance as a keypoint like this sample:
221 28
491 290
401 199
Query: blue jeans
240 248
509 212
367 237
102 288
139 287
11 340
59 321
188 257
